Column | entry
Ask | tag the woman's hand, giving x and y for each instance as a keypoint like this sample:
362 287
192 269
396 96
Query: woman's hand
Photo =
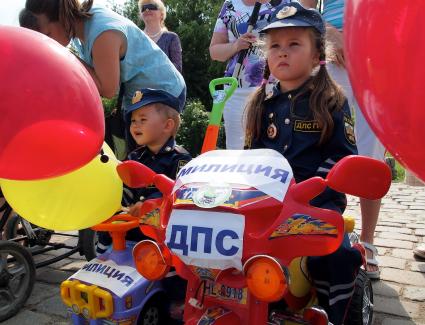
244 42
222 50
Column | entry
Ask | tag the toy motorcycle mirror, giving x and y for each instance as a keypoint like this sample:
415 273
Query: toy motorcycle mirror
307 190
360 176
163 184
134 174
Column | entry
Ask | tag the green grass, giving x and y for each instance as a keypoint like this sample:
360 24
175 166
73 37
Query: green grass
400 171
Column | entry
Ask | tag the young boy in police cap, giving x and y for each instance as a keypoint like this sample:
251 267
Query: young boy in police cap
154 121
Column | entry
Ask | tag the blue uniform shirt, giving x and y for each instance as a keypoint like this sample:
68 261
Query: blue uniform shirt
167 161
290 129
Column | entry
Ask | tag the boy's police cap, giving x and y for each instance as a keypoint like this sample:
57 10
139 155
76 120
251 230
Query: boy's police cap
295 15
148 96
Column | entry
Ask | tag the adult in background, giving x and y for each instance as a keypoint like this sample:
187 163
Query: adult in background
229 38
367 143
112 48
153 14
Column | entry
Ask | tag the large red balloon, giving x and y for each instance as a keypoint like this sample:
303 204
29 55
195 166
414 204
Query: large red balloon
385 46
51 115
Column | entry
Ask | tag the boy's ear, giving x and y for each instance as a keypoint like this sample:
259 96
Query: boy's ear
169 125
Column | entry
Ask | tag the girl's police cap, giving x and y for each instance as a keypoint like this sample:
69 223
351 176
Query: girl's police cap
295 15
148 96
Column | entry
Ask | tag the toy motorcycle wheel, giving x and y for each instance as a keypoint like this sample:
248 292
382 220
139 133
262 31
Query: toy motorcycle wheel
87 240
153 313
17 276
361 308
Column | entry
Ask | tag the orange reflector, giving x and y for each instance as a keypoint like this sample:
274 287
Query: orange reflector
149 260
265 278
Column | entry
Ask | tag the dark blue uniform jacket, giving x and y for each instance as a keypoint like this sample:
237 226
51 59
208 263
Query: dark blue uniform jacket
167 161
289 127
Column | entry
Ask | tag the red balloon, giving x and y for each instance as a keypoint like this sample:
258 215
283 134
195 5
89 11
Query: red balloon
51 115
385 49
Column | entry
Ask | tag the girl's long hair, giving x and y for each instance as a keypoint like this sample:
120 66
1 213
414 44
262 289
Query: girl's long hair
67 12
254 111
325 97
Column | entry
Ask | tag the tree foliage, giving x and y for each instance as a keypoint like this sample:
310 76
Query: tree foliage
193 127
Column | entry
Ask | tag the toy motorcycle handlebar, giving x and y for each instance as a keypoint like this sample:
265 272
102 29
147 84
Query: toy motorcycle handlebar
137 175
355 175
119 222
372 179
118 226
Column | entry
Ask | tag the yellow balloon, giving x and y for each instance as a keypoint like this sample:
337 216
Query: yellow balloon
77 200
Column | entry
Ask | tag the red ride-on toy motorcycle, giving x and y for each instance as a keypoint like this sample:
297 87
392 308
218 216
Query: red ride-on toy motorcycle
235 224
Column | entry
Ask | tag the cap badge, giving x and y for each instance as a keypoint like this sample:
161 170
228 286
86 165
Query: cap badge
286 11
138 95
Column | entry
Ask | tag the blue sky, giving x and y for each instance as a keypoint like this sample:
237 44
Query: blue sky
9 10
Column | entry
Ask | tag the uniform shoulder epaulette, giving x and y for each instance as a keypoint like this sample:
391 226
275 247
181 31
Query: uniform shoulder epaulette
180 149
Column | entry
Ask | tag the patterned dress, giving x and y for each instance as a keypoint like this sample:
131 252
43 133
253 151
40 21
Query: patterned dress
233 21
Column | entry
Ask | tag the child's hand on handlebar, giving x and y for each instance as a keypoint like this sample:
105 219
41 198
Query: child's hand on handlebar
134 209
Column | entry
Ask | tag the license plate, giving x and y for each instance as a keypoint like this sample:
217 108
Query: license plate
223 292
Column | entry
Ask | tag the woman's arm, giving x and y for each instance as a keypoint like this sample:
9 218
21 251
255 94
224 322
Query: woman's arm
107 50
176 52
309 3
221 50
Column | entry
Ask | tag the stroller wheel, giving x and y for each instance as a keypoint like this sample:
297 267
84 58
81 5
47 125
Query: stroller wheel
17 276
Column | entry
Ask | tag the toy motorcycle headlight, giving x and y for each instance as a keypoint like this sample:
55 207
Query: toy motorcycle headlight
267 280
149 260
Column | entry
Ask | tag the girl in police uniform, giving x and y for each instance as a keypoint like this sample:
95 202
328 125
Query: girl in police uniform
306 118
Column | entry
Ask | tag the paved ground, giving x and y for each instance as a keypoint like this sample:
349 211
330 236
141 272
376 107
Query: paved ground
399 296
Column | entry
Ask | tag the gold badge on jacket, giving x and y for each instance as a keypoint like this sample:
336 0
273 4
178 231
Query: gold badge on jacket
272 128
307 126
